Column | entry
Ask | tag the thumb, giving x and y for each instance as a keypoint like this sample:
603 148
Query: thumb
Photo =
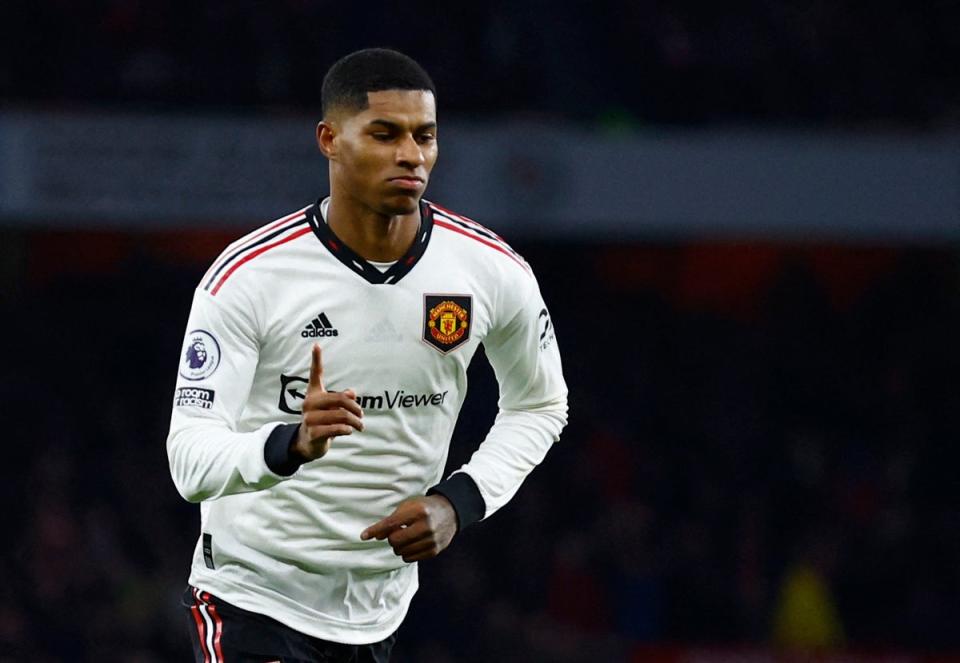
316 368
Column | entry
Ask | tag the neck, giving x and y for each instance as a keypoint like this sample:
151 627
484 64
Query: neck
372 235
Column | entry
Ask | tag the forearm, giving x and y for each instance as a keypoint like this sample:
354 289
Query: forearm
208 461
517 442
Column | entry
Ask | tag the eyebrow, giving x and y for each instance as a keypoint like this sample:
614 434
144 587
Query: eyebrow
394 125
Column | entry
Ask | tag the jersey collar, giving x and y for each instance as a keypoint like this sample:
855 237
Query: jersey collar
358 264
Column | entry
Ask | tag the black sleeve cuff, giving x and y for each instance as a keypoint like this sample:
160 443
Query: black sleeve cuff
465 497
276 451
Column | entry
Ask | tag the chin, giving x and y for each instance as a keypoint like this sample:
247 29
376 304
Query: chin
401 206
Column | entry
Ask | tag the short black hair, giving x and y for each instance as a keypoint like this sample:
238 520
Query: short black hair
371 70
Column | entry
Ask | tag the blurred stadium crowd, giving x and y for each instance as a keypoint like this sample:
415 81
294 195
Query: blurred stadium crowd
781 62
763 438
762 449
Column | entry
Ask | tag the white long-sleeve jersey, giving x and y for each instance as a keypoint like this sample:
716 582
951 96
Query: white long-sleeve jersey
284 540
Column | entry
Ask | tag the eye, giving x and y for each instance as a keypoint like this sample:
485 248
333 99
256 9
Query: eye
425 139
381 136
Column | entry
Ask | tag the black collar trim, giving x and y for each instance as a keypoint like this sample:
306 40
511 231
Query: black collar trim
358 264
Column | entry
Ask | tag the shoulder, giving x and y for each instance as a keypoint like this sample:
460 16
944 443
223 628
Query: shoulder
477 239
271 239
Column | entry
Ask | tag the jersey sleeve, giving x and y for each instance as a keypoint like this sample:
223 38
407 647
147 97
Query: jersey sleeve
209 457
522 349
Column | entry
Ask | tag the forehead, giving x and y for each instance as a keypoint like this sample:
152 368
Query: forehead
414 106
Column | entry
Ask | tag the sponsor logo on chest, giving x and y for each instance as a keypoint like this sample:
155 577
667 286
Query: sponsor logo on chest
293 389
401 399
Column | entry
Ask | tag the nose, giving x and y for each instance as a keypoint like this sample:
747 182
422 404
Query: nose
409 152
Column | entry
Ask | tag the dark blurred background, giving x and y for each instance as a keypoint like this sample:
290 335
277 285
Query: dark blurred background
745 218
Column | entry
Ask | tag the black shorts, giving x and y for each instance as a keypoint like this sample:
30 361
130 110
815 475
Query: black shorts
225 633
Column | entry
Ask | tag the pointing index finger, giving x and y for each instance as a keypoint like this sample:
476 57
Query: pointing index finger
384 528
316 368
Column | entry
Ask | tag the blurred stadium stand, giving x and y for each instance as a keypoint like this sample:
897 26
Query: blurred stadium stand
534 180
670 62
745 219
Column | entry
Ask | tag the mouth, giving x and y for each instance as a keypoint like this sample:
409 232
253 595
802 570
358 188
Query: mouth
407 182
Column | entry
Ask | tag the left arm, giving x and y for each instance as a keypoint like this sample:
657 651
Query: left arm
532 407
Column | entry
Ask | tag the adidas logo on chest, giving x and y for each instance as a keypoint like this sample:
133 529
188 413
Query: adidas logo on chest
319 326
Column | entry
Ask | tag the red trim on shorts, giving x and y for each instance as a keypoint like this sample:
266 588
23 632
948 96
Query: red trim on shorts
254 254
195 611
218 632
448 226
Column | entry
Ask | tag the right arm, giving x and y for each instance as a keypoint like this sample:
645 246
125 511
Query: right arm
208 457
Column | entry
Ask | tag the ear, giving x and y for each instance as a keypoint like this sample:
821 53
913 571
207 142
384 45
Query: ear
326 139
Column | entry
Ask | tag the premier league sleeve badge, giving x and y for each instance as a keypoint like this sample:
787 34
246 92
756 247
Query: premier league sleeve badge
446 321
201 355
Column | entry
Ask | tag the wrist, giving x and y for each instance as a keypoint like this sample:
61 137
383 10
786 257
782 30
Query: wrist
277 452
461 492
294 449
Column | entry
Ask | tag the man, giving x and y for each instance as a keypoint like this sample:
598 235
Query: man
318 470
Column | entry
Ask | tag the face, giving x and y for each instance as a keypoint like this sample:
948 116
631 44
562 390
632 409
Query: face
382 156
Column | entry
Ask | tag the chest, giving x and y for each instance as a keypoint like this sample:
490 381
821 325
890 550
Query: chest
418 335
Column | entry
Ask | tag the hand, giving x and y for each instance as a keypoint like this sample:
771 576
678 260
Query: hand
420 528
326 414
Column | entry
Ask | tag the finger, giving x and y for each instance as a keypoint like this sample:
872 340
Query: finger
402 537
316 368
349 403
326 432
330 417
424 550
330 400
382 529
416 547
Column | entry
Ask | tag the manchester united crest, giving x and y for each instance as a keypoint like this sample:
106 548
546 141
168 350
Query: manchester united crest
446 321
